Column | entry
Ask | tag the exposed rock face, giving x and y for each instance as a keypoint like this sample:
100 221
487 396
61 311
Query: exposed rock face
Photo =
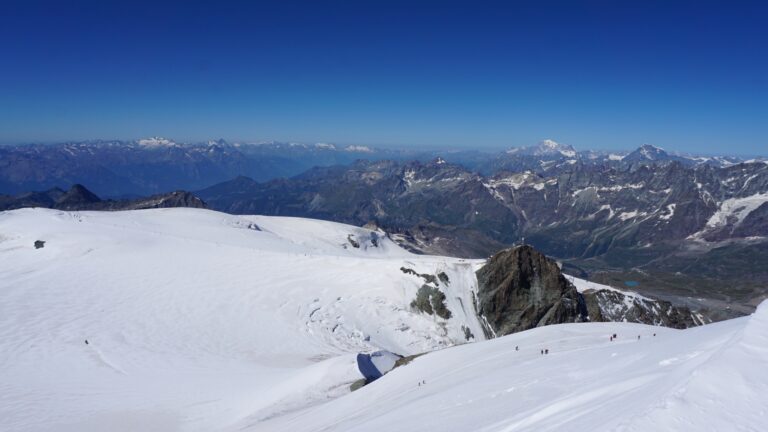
415 202
75 198
172 199
692 230
583 211
520 289
431 300
608 305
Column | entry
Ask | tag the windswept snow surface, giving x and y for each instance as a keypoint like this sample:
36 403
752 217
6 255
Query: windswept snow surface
709 378
201 321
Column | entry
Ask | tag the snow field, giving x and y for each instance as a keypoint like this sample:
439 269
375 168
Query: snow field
195 319
201 321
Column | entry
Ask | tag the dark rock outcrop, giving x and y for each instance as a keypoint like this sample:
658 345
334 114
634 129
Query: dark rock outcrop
428 278
172 199
609 305
78 197
431 300
520 288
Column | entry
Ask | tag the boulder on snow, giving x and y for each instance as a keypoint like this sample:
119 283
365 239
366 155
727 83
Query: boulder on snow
39 244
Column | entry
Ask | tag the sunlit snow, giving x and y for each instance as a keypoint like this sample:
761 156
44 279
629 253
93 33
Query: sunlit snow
201 321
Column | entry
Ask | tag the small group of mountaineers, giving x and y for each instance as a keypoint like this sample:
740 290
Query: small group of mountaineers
613 337
545 351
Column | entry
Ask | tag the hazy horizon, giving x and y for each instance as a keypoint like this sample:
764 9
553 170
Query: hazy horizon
402 147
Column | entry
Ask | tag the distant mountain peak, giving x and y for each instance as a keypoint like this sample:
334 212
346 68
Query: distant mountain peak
325 146
647 152
549 146
359 149
651 148
546 147
219 142
78 195
156 142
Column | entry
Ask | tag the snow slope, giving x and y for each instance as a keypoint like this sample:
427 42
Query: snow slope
197 319
708 378
735 210
201 321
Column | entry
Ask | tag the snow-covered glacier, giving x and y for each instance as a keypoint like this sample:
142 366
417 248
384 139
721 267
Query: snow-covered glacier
193 320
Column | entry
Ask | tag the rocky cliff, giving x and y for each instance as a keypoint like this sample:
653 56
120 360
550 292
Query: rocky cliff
520 288
612 305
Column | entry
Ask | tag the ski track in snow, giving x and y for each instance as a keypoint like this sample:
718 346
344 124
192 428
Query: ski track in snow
201 321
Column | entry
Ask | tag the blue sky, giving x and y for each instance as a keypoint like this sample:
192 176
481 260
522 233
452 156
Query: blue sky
687 76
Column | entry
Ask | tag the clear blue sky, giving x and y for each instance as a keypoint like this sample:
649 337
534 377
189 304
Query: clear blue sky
687 76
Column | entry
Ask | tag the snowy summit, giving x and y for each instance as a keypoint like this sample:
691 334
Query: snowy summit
546 147
156 142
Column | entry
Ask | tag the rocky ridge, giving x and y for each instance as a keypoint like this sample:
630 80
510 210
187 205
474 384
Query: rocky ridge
520 288
79 198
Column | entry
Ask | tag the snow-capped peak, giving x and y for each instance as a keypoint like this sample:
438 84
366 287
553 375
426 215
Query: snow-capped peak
325 146
549 146
650 151
156 142
359 149
546 147
647 152
219 142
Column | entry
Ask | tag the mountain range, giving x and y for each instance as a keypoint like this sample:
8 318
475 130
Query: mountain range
689 229
79 198
120 169
682 229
